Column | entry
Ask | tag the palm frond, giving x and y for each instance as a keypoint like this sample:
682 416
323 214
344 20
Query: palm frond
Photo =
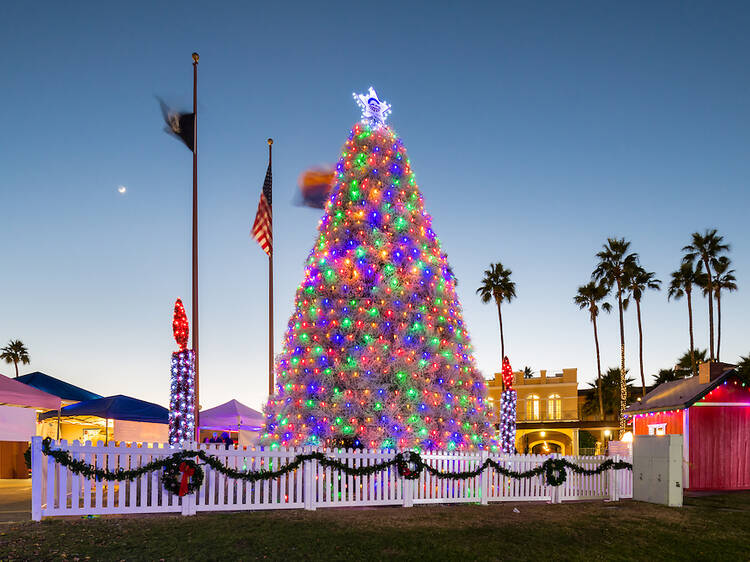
497 284
15 352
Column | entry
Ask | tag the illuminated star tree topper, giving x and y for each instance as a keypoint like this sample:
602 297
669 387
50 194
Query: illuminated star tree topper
374 110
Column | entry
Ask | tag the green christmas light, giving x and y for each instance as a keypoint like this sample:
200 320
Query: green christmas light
374 321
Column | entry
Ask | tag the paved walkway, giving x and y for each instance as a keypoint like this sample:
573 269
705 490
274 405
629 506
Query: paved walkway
15 500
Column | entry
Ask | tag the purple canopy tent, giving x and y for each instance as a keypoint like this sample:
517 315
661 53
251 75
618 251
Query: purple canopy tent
18 405
233 416
15 393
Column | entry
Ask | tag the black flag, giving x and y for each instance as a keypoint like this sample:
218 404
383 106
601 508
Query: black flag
179 124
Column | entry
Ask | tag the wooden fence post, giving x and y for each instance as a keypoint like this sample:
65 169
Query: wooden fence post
555 489
308 490
188 500
484 478
612 482
36 478
408 489
408 493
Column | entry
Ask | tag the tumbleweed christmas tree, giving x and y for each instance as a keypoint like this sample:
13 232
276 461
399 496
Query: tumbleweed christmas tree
377 354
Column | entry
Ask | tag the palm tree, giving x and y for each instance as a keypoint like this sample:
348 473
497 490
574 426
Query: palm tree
681 285
638 281
612 269
611 392
743 368
685 361
497 285
588 297
724 280
705 248
528 373
15 352
667 375
683 368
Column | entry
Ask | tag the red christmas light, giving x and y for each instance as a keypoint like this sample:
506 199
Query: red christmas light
507 374
180 326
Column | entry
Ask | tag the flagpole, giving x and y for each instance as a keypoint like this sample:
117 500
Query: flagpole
270 296
195 243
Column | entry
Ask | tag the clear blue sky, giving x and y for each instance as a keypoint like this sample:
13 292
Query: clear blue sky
534 133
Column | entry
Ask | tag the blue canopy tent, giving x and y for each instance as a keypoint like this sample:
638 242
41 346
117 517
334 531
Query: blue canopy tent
117 407
68 392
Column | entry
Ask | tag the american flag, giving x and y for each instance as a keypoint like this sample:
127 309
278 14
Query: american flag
263 225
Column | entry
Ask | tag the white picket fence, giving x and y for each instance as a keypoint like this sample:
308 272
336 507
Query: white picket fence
56 491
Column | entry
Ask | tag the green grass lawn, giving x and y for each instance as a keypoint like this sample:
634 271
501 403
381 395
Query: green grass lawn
707 528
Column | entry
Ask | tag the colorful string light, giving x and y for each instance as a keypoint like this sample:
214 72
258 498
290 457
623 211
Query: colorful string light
508 400
377 354
182 383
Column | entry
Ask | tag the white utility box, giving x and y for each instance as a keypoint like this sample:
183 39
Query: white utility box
657 469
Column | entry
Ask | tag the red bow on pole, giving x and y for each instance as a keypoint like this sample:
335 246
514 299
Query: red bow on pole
187 472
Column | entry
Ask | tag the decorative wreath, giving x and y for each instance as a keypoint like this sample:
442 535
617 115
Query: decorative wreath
183 477
409 465
555 472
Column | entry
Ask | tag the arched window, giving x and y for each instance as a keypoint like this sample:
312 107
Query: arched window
554 407
532 407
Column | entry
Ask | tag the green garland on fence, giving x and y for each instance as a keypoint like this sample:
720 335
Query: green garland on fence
553 469
409 465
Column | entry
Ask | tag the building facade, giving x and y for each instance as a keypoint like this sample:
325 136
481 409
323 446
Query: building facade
549 413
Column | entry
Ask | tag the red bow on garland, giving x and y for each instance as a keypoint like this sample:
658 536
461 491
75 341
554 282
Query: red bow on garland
187 472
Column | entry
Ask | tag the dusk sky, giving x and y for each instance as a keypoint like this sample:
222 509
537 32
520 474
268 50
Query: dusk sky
534 132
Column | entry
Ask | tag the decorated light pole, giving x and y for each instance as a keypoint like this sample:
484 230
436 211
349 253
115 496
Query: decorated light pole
182 385
508 401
